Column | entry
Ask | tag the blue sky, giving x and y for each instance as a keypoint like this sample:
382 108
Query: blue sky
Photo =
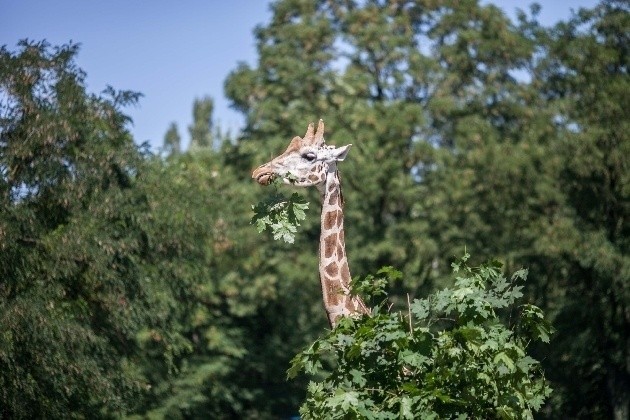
171 51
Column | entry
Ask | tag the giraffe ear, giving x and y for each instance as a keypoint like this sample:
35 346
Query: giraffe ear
340 153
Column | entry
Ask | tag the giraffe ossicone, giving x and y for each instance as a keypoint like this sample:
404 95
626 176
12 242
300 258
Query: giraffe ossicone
308 161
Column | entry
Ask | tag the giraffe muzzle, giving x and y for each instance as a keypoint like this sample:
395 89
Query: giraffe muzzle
263 175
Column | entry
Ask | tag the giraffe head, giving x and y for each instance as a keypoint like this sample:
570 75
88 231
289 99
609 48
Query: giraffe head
306 161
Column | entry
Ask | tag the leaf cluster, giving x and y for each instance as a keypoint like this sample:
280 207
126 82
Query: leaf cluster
279 214
458 353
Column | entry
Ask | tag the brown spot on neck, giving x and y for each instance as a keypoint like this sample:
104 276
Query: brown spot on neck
332 269
332 291
334 198
333 190
345 272
340 252
330 244
332 218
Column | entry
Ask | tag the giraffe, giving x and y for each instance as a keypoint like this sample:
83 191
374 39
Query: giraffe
309 162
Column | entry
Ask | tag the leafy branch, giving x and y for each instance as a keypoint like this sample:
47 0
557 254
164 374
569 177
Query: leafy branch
280 214
450 355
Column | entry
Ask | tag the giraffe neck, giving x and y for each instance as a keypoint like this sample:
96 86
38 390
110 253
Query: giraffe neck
334 272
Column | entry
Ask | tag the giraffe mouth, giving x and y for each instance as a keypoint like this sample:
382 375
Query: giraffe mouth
265 179
263 175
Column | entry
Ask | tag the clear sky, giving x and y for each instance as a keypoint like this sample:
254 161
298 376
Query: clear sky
171 51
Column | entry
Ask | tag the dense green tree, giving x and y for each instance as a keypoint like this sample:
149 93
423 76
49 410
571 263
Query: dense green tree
539 183
586 79
295 52
72 294
172 141
124 284
385 77
231 294
470 130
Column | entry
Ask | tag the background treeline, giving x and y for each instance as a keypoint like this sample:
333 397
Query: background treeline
133 284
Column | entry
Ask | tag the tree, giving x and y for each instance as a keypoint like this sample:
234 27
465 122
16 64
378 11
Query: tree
586 80
295 52
172 141
72 295
124 289
238 308
375 80
469 130
201 128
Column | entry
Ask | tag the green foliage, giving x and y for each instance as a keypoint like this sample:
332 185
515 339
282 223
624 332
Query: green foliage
124 288
172 141
458 353
238 301
375 287
73 295
470 129
589 240
152 296
201 128
280 214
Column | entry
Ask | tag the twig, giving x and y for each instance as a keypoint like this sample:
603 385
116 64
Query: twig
409 312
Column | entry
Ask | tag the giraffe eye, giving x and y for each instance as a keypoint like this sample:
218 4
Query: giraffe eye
310 156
